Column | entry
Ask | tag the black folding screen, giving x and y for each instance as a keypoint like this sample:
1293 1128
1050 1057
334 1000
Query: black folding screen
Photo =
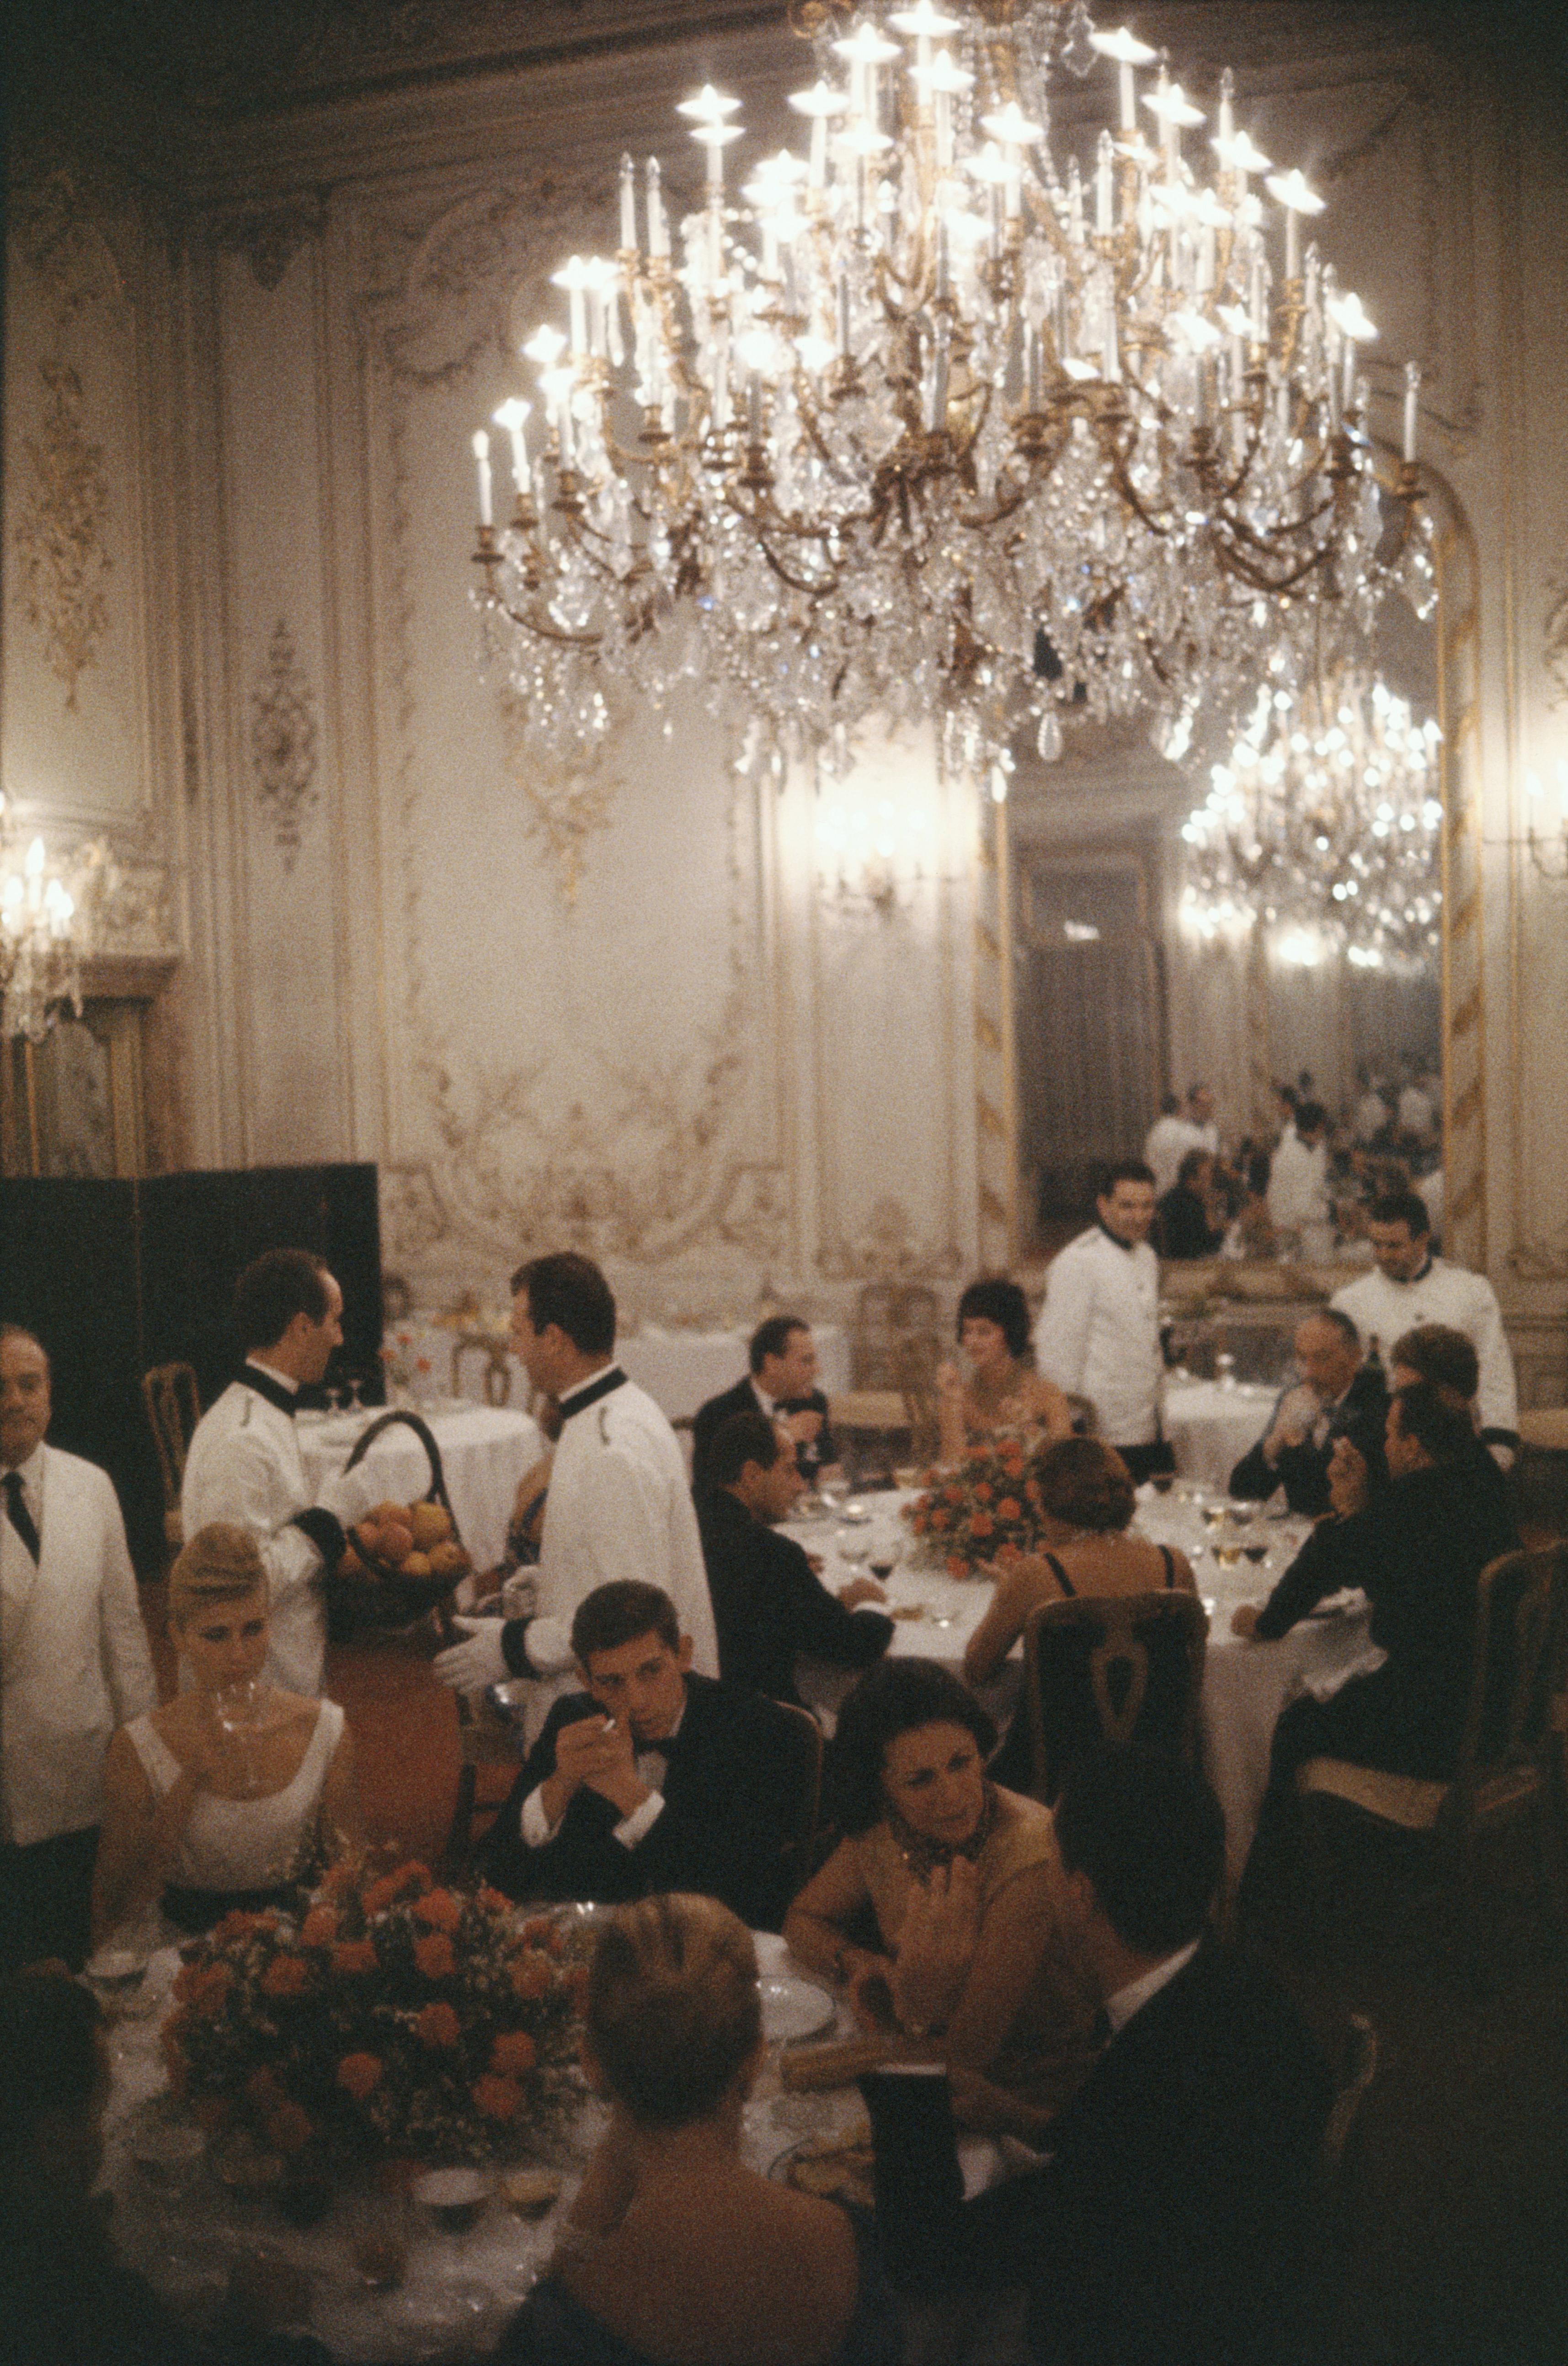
115 1277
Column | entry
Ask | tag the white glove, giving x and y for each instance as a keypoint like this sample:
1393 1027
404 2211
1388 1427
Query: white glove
469 1666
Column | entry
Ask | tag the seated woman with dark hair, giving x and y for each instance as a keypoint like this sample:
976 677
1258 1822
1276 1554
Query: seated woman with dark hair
1003 1392
673 2249
954 1873
1086 1502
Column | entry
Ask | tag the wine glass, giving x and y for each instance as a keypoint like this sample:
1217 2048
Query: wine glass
886 1547
853 1545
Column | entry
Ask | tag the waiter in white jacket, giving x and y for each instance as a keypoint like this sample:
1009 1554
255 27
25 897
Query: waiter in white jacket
1410 1287
1098 1336
73 1664
618 1506
244 1463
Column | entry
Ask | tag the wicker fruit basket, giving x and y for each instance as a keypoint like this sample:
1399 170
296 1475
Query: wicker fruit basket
388 1590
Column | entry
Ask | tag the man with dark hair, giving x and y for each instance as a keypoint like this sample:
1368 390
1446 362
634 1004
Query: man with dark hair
1416 1548
618 1504
1167 2226
1098 1333
769 1603
652 1778
244 1464
1412 1288
73 1664
780 1382
1339 1395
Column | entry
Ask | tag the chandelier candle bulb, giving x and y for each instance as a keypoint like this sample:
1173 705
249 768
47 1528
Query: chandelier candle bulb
1412 398
512 417
628 206
1102 158
482 460
658 230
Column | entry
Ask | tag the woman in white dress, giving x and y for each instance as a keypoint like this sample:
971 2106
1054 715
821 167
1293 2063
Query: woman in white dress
223 1796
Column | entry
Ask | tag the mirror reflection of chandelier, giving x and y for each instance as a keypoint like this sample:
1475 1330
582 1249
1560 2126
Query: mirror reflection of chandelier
40 938
1324 824
858 437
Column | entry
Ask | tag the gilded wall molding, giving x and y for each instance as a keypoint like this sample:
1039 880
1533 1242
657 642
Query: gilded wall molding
284 743
270 238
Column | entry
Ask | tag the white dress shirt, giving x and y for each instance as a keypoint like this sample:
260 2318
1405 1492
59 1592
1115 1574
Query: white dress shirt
1383 1310
1167 1143
619 1505
1098 1333
244 1467
652 1764
74 1656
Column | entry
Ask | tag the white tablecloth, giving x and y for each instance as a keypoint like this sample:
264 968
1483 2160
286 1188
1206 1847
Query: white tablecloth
1246 1686
484 1451
1211 1426
185 2233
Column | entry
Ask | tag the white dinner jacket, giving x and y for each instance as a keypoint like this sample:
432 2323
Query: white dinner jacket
1098 1333
1383 1310
74 1660
619 1505
243 1466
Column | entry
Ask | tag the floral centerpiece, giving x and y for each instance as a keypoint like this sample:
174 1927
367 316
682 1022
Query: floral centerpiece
408 1372
986 1508
395 2017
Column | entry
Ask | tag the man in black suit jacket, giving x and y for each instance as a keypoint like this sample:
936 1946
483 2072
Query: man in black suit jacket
1167 2224
654 1779
769 1602
1337 1396
781 1383
1416 1547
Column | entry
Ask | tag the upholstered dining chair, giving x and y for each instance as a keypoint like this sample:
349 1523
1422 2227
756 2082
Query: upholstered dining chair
173 1409
1510 1767
1102 1672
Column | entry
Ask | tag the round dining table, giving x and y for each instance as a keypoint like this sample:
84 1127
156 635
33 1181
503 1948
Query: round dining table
1209 1425
188 2234
1246 1685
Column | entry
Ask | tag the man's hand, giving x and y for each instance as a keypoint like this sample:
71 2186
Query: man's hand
801 1427
594 1754
1244 1620
1292 1424
1348 1487
479 1660
859 1590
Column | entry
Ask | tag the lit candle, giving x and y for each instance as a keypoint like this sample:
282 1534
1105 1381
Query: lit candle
1124 52
844 315
628 206
1226 108
1103 154
943 255
1412 395
512 416
1032 365
482 455
939 381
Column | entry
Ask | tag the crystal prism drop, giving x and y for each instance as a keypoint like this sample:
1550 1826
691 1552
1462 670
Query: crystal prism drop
1047 739
1078 53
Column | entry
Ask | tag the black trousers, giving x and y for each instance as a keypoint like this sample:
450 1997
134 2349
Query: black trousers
46 1899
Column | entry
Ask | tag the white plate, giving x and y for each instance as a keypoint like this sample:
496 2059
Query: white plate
794 2009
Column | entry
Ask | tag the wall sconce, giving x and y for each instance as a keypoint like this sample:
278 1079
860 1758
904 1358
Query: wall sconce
1547 840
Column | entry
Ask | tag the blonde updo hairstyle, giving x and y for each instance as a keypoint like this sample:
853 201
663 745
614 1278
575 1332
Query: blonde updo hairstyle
1085 1483
222 1563
674 2013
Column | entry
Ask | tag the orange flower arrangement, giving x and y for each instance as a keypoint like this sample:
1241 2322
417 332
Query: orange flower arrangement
403 2019
986 1510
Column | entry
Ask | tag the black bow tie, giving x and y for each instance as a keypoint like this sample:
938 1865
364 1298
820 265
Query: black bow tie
16 1511
614 1377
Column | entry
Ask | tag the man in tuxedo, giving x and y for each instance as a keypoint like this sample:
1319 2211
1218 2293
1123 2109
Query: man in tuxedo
652 1778
1416 1548
618 1503
1338 1395
1166 2225
244 1466
781 1383
769 1602
73 1664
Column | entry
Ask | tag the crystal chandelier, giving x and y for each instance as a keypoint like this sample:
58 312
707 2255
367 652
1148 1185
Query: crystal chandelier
40 939
1325 823
917 424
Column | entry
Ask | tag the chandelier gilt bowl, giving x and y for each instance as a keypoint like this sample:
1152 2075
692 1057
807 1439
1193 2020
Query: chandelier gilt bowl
911 421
